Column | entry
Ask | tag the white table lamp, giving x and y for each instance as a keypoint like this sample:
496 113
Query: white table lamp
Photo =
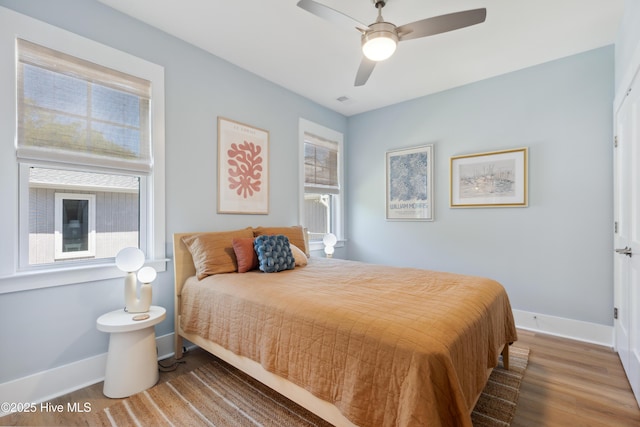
146 275
329 241
131 260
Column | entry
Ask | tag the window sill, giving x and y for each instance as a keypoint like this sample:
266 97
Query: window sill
37 279
317 245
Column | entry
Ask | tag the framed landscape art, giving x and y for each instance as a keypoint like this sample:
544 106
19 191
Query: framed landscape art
410 184
493 179
243 168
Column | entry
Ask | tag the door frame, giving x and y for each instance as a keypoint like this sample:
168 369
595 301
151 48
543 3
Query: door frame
630 77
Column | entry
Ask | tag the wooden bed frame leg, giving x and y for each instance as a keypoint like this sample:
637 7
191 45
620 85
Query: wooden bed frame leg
505 356
177 346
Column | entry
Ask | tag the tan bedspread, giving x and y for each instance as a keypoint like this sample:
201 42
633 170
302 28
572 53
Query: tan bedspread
388 346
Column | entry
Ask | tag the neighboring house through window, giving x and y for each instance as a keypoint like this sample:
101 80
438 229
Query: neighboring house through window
95 215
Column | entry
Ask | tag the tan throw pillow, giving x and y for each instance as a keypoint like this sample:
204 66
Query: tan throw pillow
245 254
299 256
213 252
295 234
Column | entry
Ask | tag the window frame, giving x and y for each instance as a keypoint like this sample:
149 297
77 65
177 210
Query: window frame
14 274
337 216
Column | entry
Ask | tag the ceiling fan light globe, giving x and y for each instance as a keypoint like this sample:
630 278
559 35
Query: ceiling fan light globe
380 42
379 49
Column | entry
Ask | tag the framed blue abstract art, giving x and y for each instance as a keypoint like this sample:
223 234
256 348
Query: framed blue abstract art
410 184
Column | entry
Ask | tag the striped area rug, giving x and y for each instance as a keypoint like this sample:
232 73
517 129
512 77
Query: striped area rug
217 394
496 405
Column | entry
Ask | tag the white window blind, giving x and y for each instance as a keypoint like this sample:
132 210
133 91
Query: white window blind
75 112
320 165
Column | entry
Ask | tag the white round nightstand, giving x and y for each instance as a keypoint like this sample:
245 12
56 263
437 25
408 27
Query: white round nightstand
132 360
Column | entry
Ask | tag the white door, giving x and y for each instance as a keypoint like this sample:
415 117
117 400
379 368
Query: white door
627 236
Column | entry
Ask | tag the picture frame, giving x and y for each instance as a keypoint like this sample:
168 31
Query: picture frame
243 168
491 179
410 183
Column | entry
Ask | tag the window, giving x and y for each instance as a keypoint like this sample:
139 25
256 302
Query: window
321 210
75 226
321 184
89 152
81 118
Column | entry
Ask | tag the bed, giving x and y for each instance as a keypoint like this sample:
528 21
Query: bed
355 343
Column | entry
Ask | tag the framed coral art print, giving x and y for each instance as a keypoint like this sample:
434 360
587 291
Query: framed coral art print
243 168
493 179
410 184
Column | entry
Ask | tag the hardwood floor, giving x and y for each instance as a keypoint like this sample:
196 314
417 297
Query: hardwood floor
570 383
93 395
567 383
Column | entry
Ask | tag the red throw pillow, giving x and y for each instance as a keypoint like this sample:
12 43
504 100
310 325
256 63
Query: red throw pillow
245 254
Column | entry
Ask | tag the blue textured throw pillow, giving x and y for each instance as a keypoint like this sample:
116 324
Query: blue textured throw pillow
274 253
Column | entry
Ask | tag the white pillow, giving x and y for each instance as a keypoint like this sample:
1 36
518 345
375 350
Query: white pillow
298 255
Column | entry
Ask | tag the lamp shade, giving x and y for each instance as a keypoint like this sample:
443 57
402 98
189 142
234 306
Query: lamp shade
329 239
130 259
147 274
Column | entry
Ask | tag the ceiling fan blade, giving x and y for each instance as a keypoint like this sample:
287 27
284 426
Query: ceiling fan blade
331 15
364 71
441 24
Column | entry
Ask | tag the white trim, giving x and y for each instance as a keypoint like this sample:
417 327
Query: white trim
317 245
52 383
627 79
594 333
47 277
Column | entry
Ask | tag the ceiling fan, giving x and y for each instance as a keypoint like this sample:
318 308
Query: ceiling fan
379 39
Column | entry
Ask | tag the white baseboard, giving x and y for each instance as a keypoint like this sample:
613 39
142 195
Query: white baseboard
46 385
594 333
165 346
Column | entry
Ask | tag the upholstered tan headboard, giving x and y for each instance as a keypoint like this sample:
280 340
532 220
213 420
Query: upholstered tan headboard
183 268
182 262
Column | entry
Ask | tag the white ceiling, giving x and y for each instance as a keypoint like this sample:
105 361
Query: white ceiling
312 57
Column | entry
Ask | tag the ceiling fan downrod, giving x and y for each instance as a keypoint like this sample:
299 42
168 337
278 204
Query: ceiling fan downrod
379 4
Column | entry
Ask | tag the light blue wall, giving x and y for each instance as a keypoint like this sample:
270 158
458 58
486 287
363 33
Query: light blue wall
52 327
555 256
